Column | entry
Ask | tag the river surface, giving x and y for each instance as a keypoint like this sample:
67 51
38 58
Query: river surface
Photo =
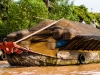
87 69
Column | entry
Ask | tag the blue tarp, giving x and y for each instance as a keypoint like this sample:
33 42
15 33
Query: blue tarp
61 43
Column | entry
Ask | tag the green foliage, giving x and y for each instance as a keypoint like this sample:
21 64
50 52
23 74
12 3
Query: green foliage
2 29
23 15
3 9
82 12
62 8
3 17
97 17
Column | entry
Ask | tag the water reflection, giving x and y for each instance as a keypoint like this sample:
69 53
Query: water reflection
89 69
4 64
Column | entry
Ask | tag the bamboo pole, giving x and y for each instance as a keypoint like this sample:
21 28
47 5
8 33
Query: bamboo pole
37 31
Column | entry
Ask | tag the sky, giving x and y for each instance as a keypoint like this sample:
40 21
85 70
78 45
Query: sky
92 5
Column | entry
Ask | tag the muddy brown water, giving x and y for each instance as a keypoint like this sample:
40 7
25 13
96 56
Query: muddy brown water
86 69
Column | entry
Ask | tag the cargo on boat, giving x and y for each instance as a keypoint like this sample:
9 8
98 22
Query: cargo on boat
53 43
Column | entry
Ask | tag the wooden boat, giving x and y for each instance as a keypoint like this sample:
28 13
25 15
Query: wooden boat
61 42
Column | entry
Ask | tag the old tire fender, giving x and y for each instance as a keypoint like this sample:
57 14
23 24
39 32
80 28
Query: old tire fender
81 59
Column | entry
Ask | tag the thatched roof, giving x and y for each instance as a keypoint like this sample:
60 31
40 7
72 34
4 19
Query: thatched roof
79 36
66 24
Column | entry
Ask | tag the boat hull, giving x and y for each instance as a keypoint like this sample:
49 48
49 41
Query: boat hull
36 59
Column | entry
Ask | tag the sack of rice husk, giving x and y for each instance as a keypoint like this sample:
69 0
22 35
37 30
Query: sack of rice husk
69 33
51 44
63 54
22 33
57 33
25 43
11 36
